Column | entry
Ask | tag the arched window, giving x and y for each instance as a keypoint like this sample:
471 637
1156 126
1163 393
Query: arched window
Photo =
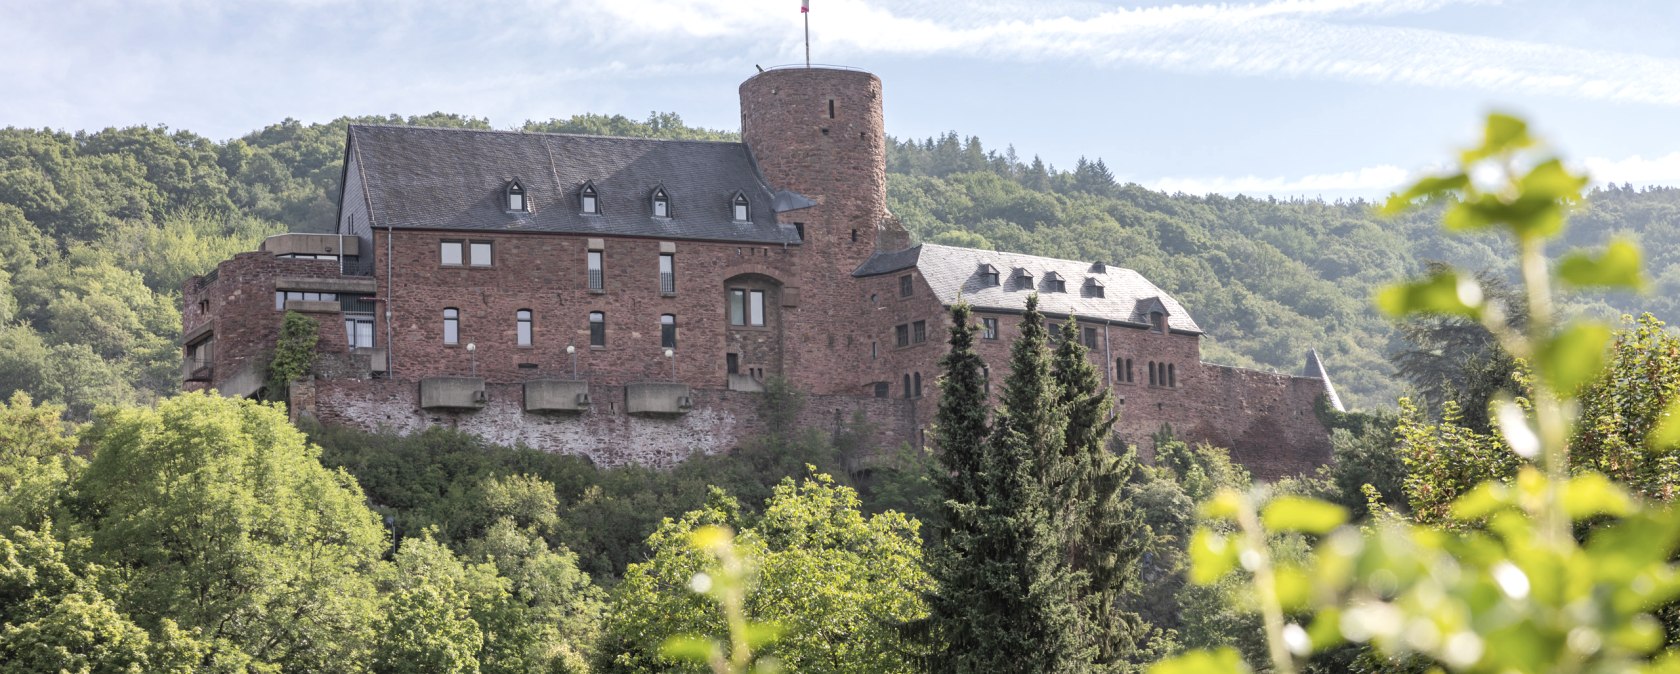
907 390
742 212
1152 378
661 203
586 197
1172 376
515 196
451 326
597 329
918 379
668 331
522 320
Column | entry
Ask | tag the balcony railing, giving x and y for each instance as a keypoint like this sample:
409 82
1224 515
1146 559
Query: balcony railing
597 280
667 283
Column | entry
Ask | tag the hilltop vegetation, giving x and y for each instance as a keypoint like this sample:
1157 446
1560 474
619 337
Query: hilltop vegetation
99 229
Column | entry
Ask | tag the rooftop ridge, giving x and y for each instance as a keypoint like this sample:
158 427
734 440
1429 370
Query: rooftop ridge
514 132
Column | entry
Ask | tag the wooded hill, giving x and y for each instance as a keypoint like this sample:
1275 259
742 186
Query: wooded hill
99 229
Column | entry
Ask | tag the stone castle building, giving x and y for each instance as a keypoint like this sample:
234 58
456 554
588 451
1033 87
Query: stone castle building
626 299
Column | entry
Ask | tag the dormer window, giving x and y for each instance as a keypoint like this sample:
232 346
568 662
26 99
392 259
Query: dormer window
1093 287
1054 283
661 203
586 196
515 196
1024 277
742 212
1099 268
1158 322
988 276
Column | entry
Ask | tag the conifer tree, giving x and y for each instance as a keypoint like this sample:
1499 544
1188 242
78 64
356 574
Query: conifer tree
1003 602
1104 534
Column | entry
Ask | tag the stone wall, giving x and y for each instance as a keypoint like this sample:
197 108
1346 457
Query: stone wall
721 420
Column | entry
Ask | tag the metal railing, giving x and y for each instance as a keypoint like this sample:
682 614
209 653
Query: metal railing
597 280
667 282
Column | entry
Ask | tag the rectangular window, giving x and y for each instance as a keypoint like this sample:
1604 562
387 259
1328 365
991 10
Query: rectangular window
1090 335
882 389
661 208
918 332
451 326
668 331
1053 332
988 328
667 273
480 253
358 331
522 320
597 276
452 252
737 306
597 329
733 363
281 297
902 333
755 307
906 285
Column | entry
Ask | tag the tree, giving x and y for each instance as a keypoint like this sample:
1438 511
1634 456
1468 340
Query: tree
216 513
294 353
429 624
1452 358
836 582
36 460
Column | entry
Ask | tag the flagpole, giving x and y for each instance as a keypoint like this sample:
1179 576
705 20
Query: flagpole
807 16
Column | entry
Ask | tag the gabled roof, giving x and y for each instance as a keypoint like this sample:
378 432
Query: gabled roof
952 271
427 178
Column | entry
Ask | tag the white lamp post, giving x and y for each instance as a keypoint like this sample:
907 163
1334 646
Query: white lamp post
572 351
472 350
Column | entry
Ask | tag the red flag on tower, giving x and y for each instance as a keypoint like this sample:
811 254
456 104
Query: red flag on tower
804 6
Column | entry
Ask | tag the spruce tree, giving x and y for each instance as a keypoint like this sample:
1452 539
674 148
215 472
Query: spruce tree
1003 601
1104 534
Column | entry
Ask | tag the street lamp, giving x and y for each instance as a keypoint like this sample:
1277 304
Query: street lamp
472 350
572 351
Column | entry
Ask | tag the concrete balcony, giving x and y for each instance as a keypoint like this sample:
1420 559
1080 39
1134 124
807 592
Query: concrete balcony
745 382
452 393
657 398
313 306
311 244
556 395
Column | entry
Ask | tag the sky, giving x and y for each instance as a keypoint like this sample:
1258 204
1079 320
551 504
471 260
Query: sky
1313 98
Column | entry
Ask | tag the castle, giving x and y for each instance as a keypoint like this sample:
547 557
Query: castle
626 299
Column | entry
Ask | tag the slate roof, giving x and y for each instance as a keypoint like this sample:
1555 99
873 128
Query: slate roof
428 178
950 271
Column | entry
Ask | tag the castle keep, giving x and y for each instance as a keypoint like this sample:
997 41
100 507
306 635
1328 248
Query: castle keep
626 299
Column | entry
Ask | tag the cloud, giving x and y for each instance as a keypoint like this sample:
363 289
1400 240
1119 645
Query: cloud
1638 170
1339 40
1373 182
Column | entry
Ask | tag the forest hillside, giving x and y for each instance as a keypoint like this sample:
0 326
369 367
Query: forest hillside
99 229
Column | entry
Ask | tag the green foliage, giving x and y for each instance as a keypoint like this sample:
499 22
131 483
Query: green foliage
220 518
1555 568
36 461
836 583
294 353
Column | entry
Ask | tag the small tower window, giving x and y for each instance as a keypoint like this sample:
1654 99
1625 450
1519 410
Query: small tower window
515 196
668 331
831 108
661 203
597 329
451 326
522 321
742 212
586 196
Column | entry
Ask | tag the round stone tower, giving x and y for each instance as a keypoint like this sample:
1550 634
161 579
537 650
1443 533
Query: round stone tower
819 132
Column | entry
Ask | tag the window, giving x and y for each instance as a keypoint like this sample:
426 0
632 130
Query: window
451 326
515 196
1054 283
907 391
988 276
522 319
597 276
1090 337
741 210
883 389
661 203
874 352
1152 377
201 354
668 331
597 329
1024 279
667 273
1053 332
799 230
451 251
358 331
1123 370
917 378
1172 376
1158 322
854 236
732 361
480 252
1093 288
746 307
586 198
988 328
906 285
986 377
281 297
831 108
903 335
918 332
